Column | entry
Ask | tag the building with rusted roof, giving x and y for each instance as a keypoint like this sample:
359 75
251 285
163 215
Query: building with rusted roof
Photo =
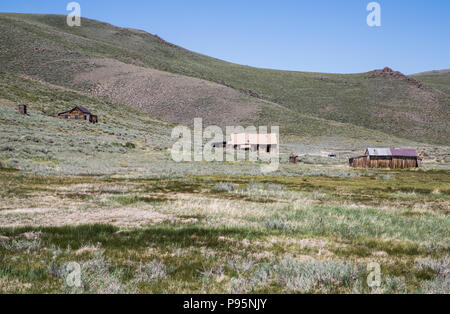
394 158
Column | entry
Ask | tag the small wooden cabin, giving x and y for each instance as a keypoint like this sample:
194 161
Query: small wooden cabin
394 158
78 113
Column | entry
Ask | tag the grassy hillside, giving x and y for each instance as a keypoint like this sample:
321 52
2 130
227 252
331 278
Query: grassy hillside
44 144
43 46
439 80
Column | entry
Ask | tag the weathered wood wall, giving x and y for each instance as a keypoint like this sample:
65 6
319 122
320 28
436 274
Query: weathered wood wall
23 109
360 162
72 115
384 162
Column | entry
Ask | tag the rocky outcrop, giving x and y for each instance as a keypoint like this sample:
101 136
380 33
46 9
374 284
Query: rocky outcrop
389 73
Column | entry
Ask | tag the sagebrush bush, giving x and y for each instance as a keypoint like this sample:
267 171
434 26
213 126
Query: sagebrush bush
155 270
22 244
392 285
260 277
274 187
254 186
224 187
439 285
317 276
317 195
440 266
278 224
97 277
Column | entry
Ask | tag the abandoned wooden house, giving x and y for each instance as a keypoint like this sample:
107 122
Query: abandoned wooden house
23 109
267 143
78 113
394 158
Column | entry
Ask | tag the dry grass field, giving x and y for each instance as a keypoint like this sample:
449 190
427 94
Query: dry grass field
226 233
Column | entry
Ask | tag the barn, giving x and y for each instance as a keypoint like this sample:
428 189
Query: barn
267 143
78 113
394 158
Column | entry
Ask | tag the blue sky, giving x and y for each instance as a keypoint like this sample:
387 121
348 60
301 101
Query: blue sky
313 35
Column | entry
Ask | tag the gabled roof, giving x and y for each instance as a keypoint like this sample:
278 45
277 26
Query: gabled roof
84 110
253 139
403 152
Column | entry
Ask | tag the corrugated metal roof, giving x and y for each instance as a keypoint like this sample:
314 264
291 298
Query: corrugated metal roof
247 139
406 152
379 152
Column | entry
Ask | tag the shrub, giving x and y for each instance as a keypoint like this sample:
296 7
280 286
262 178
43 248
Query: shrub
224 187
437 286
241 265
278 224
440 266
31 244
312 276
260 277
214 272
152 271
96 277
253 186
317 195
275 187
394 285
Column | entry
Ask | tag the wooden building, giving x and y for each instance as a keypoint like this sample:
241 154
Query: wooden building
23 109
394 158
267 143
293 159
78 113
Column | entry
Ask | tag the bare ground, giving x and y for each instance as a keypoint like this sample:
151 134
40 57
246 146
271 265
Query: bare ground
155 91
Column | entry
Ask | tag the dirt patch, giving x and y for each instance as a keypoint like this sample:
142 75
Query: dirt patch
123 217
171 97
87 250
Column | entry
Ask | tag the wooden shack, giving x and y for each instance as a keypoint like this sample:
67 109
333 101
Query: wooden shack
394 158
78 113
293 159
23 109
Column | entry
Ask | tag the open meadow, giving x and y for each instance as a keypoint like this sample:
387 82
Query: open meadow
222 233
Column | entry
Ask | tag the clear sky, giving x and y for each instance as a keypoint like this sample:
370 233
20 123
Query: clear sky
313 35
